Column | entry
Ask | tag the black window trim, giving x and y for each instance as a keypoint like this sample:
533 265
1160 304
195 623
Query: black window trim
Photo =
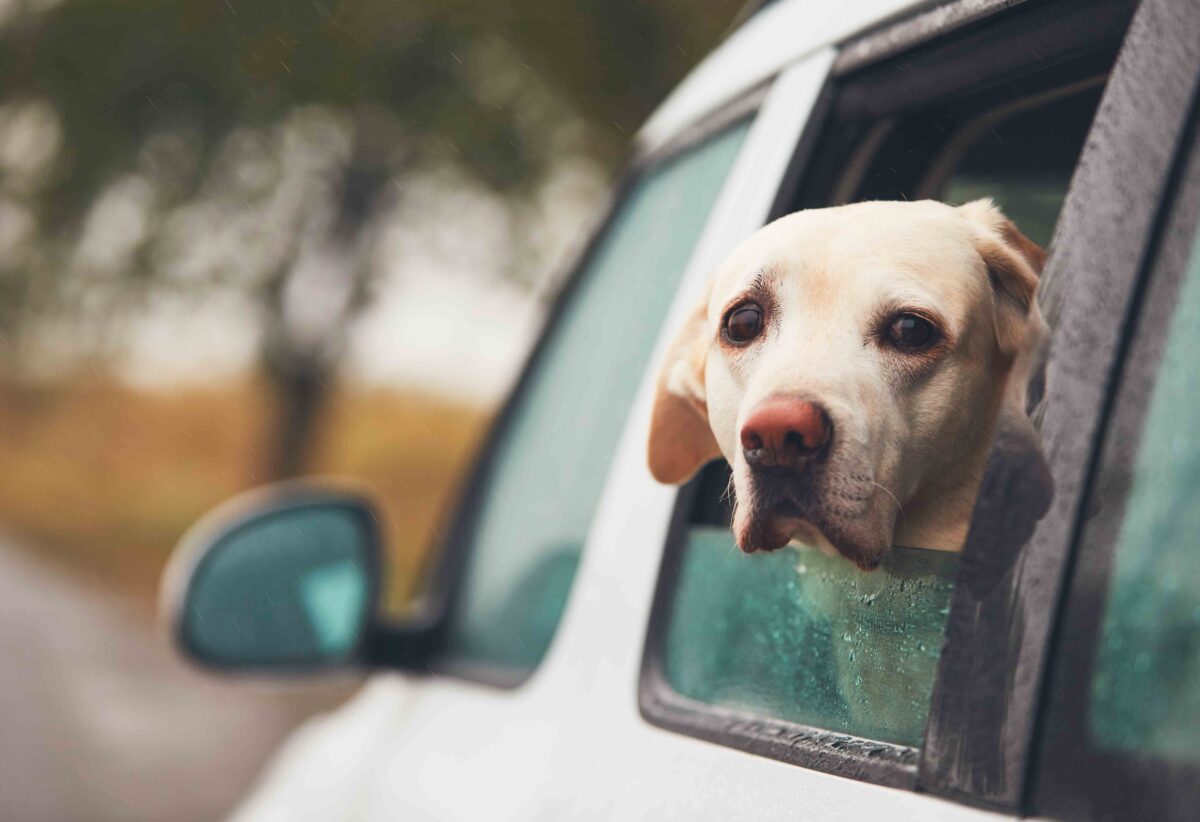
941 766
1074 779
414 643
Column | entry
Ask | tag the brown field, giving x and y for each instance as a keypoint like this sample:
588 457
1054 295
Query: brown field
106 478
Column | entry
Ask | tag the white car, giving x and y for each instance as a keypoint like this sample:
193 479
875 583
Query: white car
591 646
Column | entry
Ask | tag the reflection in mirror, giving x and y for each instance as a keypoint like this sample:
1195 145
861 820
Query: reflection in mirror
290 587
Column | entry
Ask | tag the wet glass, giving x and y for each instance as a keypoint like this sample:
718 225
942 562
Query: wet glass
1145 690
804 637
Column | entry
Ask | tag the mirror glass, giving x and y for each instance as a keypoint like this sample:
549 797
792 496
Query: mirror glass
288 587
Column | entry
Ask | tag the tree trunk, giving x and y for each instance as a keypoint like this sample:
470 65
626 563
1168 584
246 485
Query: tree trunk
300 396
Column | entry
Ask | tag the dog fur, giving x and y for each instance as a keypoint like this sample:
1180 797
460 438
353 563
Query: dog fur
909 430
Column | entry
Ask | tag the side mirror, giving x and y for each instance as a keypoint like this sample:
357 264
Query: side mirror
283 578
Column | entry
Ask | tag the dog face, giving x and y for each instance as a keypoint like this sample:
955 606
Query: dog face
850 363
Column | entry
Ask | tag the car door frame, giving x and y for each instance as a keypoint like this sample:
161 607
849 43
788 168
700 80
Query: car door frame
982 693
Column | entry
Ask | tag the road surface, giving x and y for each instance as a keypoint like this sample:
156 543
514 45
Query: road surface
99 720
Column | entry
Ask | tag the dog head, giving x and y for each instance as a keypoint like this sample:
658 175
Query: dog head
850 363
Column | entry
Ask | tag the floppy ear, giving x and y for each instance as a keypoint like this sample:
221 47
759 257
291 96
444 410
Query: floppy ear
680 438
1014 263
1017 485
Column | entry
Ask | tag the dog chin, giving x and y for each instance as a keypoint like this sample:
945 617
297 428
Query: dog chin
768 532
773 529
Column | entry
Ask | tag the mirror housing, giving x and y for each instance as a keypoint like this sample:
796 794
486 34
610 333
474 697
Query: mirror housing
283 578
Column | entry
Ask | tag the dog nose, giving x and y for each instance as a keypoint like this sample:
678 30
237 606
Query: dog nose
785 431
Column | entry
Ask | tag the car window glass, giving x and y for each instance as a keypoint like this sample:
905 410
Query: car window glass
1145 690
551 460
808 638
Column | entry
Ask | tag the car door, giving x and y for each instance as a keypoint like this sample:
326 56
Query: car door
970 114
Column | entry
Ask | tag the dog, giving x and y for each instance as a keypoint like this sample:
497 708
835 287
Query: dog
853 364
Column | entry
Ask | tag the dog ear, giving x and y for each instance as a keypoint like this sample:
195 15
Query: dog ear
1017 485
1014 264
680 438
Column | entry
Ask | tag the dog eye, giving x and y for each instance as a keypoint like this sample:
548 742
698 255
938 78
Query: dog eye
910 332
744 323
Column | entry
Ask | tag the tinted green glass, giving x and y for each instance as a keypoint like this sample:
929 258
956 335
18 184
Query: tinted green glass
807 638
552 459
1146 683
289 588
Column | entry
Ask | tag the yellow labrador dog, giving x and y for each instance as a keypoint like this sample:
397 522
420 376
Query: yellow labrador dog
851 364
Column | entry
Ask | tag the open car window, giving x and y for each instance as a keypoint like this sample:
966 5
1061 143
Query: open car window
796 654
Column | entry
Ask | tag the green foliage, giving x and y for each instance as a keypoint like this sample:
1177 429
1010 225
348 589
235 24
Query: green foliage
485 84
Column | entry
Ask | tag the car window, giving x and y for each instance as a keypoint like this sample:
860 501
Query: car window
795 637
545 475
1145 689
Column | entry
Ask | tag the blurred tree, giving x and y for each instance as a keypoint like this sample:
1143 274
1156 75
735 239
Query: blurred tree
186 144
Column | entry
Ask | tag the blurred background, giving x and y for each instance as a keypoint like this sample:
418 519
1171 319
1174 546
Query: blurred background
241 242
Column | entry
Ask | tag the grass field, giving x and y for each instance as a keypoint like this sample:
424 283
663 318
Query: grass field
106 477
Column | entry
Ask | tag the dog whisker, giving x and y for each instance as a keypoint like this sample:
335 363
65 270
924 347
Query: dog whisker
899 507
731 496
727 494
